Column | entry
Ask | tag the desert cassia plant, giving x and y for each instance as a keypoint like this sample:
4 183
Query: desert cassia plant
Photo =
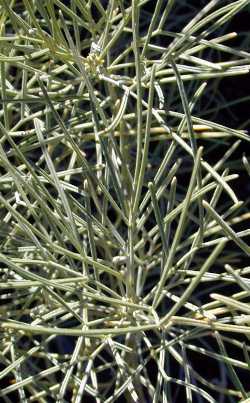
123 241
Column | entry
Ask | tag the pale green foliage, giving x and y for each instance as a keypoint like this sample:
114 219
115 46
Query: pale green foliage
117 220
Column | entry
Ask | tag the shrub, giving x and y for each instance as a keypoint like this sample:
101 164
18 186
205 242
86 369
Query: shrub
123 241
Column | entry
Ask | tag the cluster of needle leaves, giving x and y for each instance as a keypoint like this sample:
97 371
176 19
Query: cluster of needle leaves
123 242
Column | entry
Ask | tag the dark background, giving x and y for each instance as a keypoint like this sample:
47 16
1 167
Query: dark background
237 117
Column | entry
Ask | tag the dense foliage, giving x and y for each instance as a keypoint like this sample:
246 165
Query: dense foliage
123 241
